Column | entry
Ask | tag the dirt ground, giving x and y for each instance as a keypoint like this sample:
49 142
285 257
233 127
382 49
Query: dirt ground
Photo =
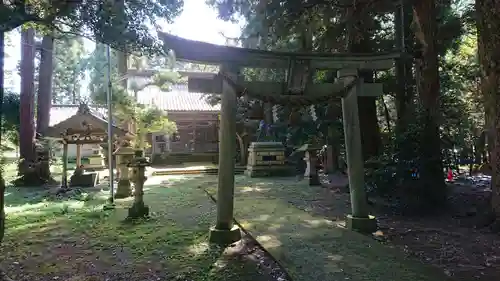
457 241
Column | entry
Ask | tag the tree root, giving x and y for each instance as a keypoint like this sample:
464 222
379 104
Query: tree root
33 179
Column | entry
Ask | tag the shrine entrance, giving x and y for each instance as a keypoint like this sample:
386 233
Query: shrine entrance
297 90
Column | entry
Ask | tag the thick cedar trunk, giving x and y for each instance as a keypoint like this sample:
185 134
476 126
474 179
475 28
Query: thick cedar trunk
44 85
2 183
358 41
368 122
387 117
44 98
488 25
404 76
122 68
431 170
27 131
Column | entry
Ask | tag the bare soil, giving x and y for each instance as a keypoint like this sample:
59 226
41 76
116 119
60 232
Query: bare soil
458 241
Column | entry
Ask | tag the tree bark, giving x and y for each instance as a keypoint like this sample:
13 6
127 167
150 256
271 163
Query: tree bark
358 41
368 122
404 76
44 99
387 117
27 131
2 183
488 26
431 169
45 85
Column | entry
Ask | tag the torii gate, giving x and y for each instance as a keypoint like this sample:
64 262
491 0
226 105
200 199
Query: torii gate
297 90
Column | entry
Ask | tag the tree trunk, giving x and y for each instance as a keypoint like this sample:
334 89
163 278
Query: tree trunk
432 184
404 41
45 85
122 58
387 117
368 122
44 100
488 26
358 41
2 183
27 131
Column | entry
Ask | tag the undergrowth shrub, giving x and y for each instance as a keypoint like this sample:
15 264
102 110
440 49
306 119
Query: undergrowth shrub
396 176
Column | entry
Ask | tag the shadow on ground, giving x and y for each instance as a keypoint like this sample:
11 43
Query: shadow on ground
309 246
72 239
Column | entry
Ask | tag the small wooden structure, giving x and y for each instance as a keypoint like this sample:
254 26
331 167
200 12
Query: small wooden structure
84 127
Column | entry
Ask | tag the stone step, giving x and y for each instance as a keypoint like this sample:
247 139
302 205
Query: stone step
207 171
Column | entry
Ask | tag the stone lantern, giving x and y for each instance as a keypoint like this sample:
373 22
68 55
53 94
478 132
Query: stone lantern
311 159
123 156
138 165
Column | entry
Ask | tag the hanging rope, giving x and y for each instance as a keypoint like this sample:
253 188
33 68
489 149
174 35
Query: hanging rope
290 100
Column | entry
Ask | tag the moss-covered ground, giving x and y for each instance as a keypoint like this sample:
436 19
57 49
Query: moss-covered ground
72 238
311 247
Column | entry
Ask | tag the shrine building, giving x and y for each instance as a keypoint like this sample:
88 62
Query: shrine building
196 139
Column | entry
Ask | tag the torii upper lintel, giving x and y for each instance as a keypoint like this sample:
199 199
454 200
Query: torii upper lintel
206 53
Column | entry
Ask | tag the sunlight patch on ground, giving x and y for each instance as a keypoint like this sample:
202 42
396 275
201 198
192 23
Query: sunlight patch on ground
62 237
263 217
274 227
269 241
252 189
24 208
319 222
308 244
335 257
199 248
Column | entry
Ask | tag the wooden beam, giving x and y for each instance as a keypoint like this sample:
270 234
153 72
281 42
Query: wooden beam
206 53
84 141
212 84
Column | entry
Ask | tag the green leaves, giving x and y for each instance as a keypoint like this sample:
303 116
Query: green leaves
122 24
10 117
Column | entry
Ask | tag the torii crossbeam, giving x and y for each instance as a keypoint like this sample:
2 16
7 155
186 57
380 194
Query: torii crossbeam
298 86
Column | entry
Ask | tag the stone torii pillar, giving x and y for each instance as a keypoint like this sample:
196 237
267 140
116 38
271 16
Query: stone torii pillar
359 220
225 232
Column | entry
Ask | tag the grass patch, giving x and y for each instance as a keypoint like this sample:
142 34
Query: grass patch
312 247
73 239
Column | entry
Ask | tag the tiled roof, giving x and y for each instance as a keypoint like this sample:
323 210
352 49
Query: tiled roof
178 99
59 113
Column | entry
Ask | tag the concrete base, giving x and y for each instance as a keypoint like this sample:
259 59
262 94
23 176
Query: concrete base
137 211
268 171
123 190
363 225
224 236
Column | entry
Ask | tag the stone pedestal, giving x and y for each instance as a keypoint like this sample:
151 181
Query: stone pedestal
123 156
311 160
138 165
266 159
96 160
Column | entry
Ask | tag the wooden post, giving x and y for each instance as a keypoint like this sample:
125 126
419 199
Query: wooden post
78 155
193 148
359 219
313 172
64 181
225 232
